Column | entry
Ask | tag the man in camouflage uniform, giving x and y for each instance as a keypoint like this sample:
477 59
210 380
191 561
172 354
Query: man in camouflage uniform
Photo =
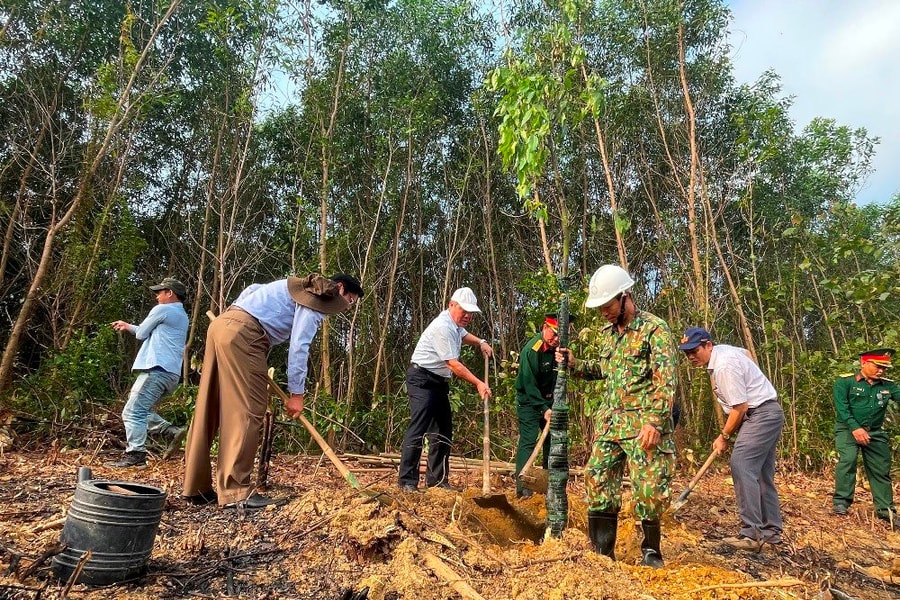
861 401
634 354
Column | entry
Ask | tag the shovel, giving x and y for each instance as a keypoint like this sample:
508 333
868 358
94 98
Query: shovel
536 478
326 449
488 500
682 499
486 450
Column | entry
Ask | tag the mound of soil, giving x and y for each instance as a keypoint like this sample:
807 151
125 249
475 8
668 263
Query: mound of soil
441 544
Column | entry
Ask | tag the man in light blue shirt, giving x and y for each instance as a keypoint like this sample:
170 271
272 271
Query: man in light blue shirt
158 365
233 394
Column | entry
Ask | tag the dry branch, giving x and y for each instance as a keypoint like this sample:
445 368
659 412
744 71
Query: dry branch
459 585
75 573
776 583
54 524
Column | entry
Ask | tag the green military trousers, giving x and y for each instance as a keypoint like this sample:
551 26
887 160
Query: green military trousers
876 461
531 422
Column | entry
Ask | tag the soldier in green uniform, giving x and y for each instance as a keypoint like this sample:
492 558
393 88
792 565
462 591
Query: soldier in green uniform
635 354
534 394
861 401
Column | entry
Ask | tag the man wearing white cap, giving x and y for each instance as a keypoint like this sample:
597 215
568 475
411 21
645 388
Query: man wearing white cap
434 361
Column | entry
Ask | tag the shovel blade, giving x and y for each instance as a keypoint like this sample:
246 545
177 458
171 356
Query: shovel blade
535 479
495 501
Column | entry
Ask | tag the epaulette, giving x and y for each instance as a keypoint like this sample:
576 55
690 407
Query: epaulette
846 374
537 345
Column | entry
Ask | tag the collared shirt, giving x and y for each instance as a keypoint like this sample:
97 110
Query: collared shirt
537 373
738 379
439 343
162 334
283 319
862 404
639 368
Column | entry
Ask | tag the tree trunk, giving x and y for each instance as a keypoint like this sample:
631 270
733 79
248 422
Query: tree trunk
125 108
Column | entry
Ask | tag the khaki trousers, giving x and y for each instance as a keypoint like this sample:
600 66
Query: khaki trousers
232 401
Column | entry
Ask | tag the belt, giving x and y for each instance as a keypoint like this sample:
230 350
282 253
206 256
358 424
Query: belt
751 410
429 372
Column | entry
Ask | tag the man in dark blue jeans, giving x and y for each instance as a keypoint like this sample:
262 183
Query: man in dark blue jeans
434 361
158 366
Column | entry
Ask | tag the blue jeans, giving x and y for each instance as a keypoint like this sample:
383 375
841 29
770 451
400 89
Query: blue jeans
138 415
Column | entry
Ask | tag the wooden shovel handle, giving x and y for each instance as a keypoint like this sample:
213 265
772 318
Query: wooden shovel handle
687 491
537 448
486 442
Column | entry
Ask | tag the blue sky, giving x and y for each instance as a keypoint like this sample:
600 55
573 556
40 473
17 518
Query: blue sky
840 59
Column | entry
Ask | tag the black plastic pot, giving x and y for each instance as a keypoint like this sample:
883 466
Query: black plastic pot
118 528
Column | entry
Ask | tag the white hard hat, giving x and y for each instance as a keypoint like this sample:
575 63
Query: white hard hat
465 297
607 282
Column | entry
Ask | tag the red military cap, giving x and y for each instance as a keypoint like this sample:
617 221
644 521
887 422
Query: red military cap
879 356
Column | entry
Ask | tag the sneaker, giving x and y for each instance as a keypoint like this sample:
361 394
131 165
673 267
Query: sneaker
840 509
742 542
135 458
177 435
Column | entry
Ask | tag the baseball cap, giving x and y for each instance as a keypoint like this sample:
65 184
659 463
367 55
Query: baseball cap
465 297
170 283
693 337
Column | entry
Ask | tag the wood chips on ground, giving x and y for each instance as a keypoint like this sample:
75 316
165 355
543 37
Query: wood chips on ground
329 539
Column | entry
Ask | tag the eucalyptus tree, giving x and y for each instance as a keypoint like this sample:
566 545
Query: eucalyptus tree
117 91
376 142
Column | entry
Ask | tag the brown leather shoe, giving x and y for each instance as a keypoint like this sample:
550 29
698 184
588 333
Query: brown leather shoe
202 499
256 502
742 542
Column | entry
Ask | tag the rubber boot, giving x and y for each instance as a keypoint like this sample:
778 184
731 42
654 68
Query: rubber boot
602 527
652 557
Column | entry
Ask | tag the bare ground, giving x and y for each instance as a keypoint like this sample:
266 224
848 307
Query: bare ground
329 539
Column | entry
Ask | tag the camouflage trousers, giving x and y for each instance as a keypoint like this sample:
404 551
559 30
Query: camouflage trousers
651 475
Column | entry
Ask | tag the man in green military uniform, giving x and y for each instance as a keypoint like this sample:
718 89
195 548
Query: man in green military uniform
635 354
534 394
861 401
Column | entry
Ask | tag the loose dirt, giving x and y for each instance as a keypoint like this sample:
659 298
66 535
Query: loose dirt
329 539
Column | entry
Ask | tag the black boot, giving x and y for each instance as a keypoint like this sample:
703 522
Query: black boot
652 557
602 528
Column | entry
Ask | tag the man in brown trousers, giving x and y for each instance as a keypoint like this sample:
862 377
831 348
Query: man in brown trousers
233 394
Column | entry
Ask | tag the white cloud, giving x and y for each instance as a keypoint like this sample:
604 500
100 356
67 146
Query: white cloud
838 59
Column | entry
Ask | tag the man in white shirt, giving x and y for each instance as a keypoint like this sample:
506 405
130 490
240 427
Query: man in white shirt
754 423
434 361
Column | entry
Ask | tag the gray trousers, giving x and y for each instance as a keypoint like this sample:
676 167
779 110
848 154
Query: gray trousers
753 471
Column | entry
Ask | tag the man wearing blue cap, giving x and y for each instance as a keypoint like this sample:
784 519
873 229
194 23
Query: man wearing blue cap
754 423
861 401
